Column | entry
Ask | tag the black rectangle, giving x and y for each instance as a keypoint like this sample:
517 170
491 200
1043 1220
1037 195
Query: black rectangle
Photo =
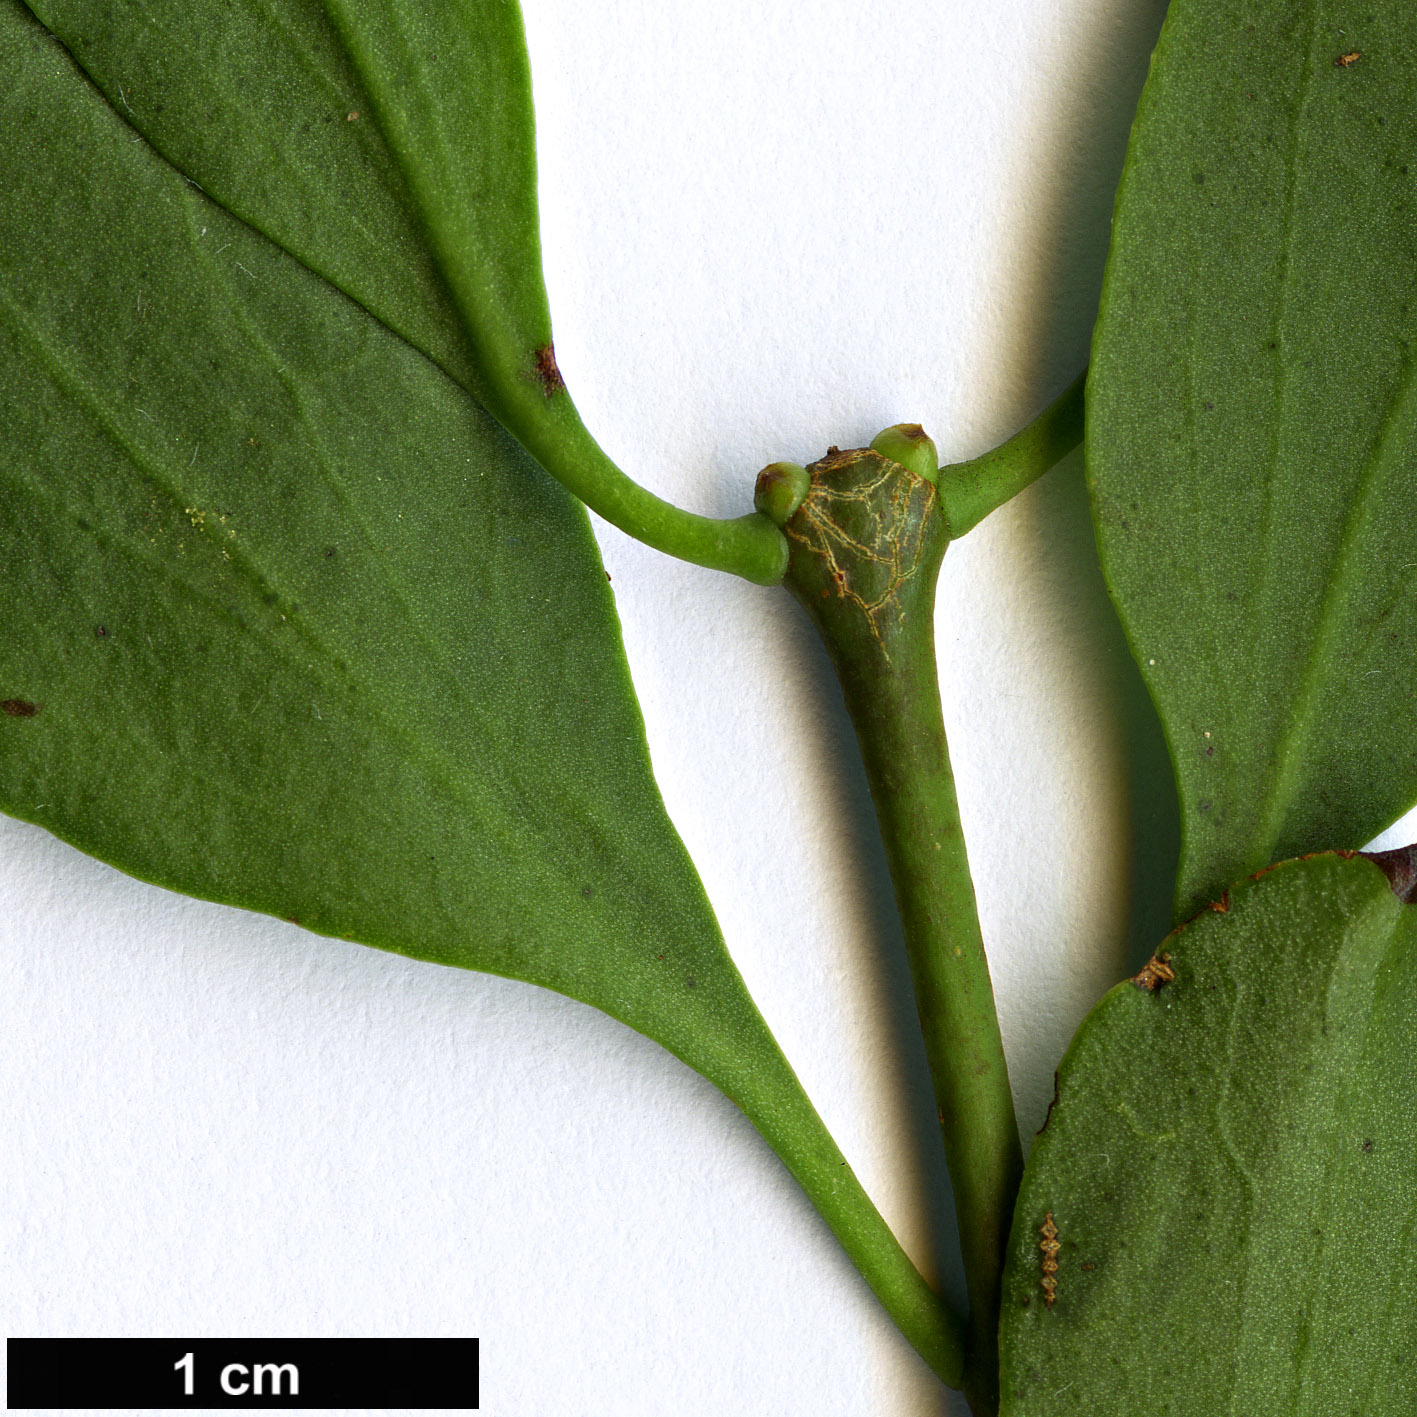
157 1373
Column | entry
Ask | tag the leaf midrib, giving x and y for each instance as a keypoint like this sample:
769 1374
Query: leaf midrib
1270 805
1286 781
410 213
1291 760
1343 996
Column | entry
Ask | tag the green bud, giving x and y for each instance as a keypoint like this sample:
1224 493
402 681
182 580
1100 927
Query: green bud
782 488
909 445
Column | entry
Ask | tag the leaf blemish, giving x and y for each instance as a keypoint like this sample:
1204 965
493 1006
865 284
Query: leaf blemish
1050 1247
1048 1116
547 374
1155 973
1345 61
19 708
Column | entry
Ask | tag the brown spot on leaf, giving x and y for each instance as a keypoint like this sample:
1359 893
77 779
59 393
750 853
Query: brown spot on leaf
1155 973
1400 868
547 374
19 708
1345 61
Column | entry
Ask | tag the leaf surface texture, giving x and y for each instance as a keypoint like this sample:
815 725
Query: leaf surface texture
1252 423
1229 1165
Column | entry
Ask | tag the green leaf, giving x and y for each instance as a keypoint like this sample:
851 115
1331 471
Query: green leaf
301 628
292 624
260 107
1229 1167
1252 424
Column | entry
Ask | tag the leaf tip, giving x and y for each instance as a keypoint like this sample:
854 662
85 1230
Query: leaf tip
1400 868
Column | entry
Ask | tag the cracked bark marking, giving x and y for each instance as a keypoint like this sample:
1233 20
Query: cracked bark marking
817 528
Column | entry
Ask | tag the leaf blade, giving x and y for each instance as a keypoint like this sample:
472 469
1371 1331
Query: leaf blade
1228 1164
1253 425
259 105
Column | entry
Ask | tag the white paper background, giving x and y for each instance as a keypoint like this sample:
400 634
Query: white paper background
768 227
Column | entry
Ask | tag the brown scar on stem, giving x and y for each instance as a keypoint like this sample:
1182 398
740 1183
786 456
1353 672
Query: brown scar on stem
815 526
547 374
19 708
1400 868
1155 973
1050 1247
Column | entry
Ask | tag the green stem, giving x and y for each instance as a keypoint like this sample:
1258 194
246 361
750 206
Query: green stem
550 429
465 148
969 491
898 725
866 547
